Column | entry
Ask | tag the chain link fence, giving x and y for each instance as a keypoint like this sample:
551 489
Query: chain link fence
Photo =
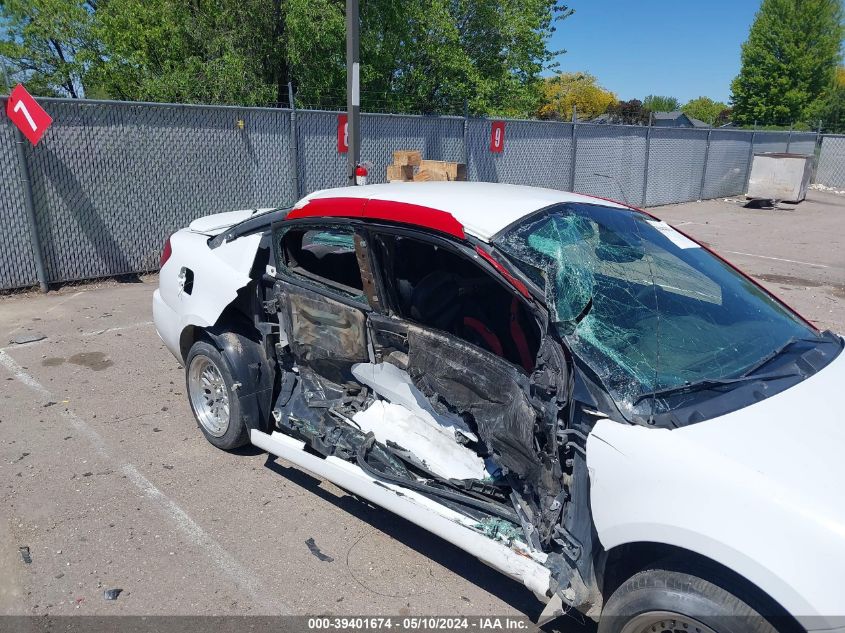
831 170
112 180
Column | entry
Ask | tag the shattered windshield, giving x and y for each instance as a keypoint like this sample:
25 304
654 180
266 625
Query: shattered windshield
646 308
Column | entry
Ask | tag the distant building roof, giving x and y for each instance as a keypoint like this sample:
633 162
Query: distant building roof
676 119
659 119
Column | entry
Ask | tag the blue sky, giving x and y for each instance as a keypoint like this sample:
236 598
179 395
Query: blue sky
680 48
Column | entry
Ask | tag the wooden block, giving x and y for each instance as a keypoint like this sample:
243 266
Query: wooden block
400 172
426 175
453 171
407 157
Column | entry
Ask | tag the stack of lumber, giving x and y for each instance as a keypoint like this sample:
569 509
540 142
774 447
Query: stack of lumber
408 165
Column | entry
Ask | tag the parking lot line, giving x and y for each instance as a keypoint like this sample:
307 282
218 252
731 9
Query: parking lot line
779 259
228 565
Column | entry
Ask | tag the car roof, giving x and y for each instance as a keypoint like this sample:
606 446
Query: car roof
482 209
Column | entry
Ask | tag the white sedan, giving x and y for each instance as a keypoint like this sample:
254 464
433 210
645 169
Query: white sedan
567 388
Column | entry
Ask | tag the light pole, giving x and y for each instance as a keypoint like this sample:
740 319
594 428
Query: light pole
353 90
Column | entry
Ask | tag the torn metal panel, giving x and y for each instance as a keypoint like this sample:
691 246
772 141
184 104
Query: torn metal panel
394 384
326 335
440 453
460 378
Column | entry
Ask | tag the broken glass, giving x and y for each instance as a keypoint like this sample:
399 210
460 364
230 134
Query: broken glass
645 307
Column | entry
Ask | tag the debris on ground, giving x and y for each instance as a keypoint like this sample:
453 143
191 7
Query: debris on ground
26 557
111 594
22 339
761 203
819 187
316 551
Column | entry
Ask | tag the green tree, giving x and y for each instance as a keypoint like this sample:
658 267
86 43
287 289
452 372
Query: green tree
631 112
658 103
704 109
829 111
417 55
788 61
48 43
561 92
203 51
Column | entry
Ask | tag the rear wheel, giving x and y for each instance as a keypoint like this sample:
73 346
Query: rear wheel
665 601
211 392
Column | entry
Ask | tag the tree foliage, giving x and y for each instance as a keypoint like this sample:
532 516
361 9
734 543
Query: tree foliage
48 41
788 61
829 110
632 112
564 91
704 109
423 56
659 103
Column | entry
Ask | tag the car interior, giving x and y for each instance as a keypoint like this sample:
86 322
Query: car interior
435 286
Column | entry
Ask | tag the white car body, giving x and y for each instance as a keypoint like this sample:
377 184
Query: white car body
760 490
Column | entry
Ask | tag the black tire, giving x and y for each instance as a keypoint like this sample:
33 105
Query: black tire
664 600
236 433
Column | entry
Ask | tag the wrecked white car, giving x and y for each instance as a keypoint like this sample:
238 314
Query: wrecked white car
567 388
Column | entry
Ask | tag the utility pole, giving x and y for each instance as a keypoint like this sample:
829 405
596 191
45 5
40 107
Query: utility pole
353 90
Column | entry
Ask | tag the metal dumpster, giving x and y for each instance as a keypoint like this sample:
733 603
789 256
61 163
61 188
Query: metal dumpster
780 176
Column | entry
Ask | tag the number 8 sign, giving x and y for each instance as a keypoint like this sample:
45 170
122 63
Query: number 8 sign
497 137
27 115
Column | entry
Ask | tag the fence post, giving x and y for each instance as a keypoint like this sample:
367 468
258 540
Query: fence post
294 143
647 154
573 150
750 161
26 185
466 134
817 152
704 168
789 139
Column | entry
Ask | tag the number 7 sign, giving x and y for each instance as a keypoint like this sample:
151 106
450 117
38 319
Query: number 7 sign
25 113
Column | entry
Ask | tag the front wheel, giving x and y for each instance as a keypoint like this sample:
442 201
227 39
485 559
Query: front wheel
664 601
211 392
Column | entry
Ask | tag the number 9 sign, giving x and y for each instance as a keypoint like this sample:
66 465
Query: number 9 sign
497 137
29 117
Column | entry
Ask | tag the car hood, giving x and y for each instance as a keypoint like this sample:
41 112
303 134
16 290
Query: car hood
219 222
795 440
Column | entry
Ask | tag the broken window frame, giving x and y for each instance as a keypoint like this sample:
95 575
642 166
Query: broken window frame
465 250
318 283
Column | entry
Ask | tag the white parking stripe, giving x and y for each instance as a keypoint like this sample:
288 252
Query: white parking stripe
225 562
119 328
778 259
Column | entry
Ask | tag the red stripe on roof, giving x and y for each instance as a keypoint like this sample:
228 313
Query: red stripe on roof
406 213
415 214
330 207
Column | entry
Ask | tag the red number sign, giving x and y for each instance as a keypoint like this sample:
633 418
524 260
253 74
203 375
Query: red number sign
342 134
30 117
497 137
